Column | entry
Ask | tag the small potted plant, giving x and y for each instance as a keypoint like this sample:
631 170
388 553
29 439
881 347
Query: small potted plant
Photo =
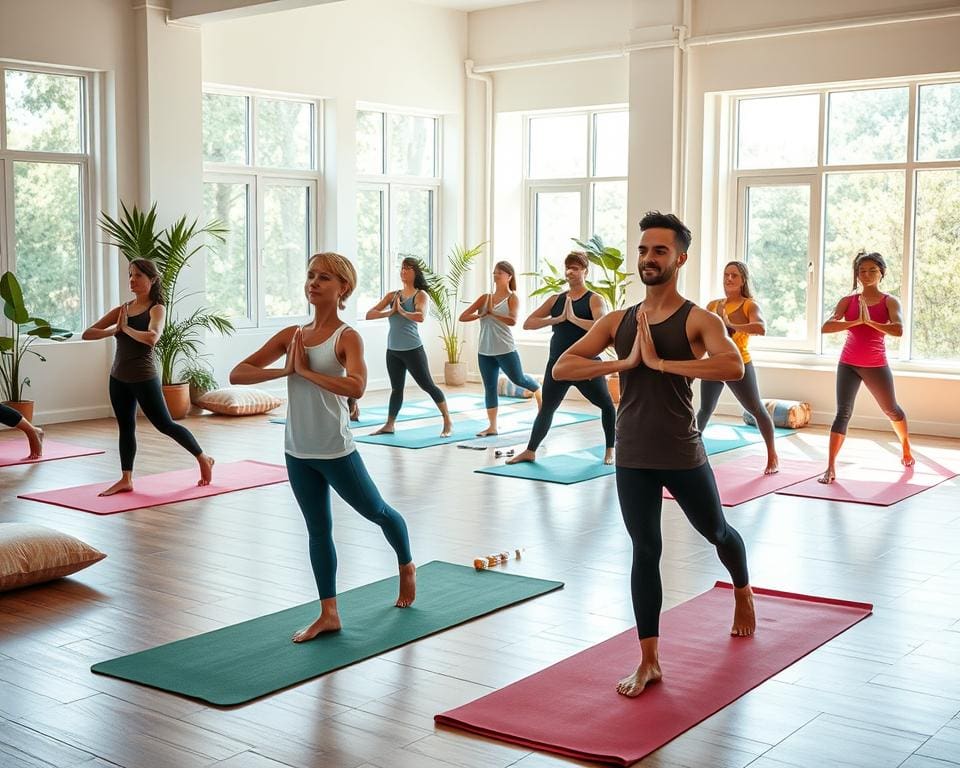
200 378
14 348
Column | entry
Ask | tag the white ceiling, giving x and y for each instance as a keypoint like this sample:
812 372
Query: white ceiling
472 5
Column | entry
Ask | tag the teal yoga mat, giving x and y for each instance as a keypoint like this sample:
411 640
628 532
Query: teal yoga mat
563 468
425 437
718 438
242 662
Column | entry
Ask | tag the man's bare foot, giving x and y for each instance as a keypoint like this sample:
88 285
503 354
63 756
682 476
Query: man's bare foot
122 485
827 477
386 429
633 685
447 428
488 432
773 466
328 622
744 615
35 439
206 469
608 456
526 455
408 585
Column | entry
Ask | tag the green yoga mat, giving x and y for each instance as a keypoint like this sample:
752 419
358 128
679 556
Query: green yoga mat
242 662
563 468
718 438
373 415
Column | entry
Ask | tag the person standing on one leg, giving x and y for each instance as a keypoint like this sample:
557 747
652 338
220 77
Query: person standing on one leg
741 316
868 317
11 418
324 366
569 315
660 345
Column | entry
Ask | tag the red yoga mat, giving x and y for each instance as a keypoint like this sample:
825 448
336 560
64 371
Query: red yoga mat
165 488
16 451
573 708
743 480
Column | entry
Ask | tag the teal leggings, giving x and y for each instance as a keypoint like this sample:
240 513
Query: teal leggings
311 481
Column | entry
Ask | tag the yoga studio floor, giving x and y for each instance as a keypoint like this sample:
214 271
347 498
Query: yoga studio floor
884 693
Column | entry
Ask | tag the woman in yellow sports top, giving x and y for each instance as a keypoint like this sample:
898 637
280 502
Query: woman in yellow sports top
742 317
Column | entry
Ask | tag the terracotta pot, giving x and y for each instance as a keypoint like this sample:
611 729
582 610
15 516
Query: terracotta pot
23 407
613 384
455 374
177 398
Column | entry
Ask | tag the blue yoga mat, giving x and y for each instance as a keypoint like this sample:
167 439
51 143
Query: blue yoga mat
425 437
718 438
375 415
564 468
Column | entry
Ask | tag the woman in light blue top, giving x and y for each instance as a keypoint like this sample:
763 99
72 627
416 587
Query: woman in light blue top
497 351
404 309
324 366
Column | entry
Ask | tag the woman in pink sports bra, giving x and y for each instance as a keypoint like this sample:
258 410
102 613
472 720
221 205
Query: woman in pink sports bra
868 317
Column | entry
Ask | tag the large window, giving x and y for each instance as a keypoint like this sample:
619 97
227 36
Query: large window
819 176
398 186
45 206
262 179
575 178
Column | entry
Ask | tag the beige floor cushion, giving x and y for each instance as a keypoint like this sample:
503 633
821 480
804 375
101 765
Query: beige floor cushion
239 401
30 554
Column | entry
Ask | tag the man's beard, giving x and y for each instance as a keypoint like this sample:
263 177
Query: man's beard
659 277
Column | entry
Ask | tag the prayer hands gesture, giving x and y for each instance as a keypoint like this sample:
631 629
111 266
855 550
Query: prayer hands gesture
721 311
568 313
864 311
122 319
297 361
487 307
643 350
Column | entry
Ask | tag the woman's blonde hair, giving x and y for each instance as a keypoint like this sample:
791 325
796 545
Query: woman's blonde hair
341 268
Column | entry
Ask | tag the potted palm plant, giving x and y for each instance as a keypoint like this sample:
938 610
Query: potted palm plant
15 347
135 233
444 291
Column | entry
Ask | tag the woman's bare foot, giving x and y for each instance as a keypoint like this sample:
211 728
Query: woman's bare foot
329 621
488 432
526 455
645 674
828 477
447 428
123 485
35 439
408 585
744 615
907 460
386 429
773 465
608 456
206 469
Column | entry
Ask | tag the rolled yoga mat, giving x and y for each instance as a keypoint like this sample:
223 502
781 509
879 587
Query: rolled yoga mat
572 708
563 468
14 451
241 662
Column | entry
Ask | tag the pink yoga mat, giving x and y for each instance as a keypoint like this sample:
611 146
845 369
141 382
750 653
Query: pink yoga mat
165 488
573 708
743 479
15 451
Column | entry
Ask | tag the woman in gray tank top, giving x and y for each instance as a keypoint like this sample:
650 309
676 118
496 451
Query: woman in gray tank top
496 349
405 309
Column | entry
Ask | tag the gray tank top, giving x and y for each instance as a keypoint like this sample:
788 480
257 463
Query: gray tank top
495 337
656 427
133 360
403 333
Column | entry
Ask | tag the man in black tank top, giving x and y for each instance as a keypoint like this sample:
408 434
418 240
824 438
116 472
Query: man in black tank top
660 345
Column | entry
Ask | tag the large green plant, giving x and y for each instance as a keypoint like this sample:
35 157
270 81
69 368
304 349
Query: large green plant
612 284
26 330
135 233
444 291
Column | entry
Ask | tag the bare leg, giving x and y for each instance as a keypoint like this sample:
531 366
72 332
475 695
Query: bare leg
328 621
123 485
744 615
408 585
447 421
900 427
647 672
836 441
206 469
386 429
34 437
526 455
538 396
492 429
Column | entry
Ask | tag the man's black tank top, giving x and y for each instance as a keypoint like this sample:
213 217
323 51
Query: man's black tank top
656 427
566 333
134 361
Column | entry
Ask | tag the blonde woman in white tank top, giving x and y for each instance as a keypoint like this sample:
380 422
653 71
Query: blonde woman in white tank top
324 366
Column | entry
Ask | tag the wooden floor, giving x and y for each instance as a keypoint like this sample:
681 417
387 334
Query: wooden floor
885 693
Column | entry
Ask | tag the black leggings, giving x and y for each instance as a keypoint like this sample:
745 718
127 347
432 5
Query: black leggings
8 416
748 395
695 490
595 390
124 398
399 361
880 383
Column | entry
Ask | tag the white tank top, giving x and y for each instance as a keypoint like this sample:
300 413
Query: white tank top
495 337
318 424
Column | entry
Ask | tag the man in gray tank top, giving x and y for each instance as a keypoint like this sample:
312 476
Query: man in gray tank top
662 344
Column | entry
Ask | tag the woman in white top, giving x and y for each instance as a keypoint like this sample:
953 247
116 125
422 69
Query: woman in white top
324 366
497 312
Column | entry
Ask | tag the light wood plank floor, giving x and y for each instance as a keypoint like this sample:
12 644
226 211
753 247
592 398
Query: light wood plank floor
885 693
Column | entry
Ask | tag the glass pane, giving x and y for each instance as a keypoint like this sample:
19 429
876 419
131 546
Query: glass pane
611 137
558 147
864 211
284 134
936 254
939 132
610 213
778 132
369 248
44 112
868 126
369 142
227 286
411 141
778 238
48 241
225 129
557 220
412 219
286 248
